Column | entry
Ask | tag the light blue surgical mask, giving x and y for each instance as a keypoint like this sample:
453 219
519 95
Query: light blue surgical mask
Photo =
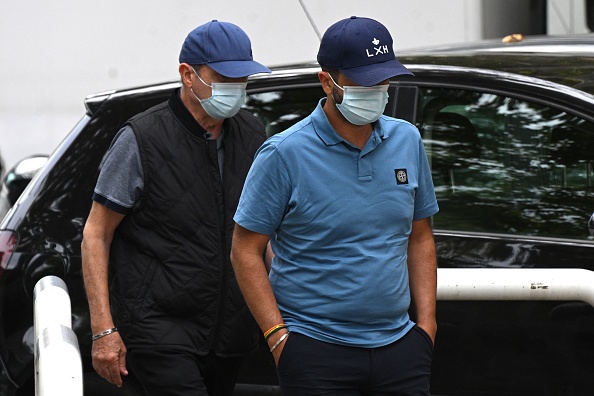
226 98
362 105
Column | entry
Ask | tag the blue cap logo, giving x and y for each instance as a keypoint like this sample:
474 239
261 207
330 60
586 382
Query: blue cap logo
379 50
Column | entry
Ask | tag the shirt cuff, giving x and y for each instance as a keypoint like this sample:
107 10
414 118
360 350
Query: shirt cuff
110 204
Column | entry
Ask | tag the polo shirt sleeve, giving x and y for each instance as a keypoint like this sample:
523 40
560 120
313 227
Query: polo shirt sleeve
266 192
121 178
425 200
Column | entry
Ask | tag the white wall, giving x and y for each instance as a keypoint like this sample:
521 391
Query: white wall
566 17
54 53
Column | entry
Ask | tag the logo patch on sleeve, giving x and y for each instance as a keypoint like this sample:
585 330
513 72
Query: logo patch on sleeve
401 176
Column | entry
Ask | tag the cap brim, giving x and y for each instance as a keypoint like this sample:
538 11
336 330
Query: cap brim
238 69
375 73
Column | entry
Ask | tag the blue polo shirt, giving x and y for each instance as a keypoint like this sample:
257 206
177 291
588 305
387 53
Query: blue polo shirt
340 218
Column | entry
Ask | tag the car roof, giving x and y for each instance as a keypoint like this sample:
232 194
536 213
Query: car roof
288 74
562 45
566 60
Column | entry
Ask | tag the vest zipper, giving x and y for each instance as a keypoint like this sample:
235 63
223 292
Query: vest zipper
221 221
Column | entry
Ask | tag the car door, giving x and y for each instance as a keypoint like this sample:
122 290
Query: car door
512 163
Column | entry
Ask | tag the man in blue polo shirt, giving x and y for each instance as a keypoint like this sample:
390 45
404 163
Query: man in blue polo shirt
345 198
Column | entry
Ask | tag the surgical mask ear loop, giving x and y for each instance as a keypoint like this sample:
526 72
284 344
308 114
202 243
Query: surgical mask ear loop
201 80
336 85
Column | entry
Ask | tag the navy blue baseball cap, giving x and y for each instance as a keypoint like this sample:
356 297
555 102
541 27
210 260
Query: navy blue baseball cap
361 49
224 47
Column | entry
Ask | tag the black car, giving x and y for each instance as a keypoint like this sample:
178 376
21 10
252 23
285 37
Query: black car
509 133
16 179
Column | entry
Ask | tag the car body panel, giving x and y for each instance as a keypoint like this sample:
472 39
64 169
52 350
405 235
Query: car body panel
488 348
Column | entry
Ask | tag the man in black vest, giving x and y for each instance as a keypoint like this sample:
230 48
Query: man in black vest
162 221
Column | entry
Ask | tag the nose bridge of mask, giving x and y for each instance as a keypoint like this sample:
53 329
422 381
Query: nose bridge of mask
360 89
226 86
222 86
376 89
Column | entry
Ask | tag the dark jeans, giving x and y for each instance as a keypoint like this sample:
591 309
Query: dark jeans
166 372
311 367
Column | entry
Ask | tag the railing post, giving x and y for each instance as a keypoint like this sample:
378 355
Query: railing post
58 366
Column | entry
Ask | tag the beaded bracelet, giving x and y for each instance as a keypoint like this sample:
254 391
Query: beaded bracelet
283 337
104 333
273 330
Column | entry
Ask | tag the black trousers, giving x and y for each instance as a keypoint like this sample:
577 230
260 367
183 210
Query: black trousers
164 372
311 367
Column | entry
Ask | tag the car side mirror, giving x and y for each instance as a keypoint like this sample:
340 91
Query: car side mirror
591 225
19 176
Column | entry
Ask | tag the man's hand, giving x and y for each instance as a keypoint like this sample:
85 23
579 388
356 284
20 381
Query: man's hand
109 358
430 327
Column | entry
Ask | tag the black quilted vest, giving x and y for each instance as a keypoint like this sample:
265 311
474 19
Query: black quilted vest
172 283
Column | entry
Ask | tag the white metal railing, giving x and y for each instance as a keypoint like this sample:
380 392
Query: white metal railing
58 366
507 284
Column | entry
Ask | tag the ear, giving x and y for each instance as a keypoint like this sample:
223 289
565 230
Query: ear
327 84
186 72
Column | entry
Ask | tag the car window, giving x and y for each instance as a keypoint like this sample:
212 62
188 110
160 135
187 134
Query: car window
507 165
62 203
280 109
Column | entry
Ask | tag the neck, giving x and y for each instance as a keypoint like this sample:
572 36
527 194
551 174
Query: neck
357 135
209 124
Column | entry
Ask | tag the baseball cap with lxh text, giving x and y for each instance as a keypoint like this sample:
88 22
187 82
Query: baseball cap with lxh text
361 49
